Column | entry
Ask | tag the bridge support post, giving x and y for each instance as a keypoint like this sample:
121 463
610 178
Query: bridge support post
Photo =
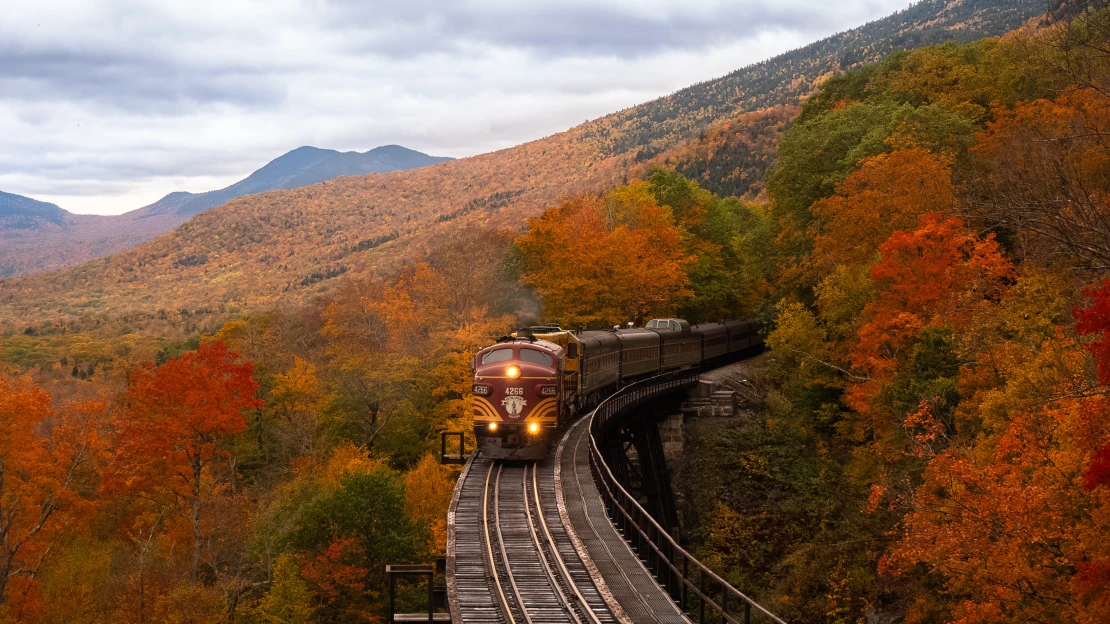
638 459
451 458
393 571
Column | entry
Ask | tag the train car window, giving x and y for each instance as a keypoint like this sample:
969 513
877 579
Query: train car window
497 355
572 350
535 357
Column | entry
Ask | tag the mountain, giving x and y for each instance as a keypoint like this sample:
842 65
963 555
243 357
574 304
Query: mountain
18 212
301 167
289 245
36 236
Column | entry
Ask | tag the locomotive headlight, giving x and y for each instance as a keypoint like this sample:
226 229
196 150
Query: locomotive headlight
493 426
549 390
513 371
534 427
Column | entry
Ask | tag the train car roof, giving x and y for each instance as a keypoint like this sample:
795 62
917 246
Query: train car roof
598 337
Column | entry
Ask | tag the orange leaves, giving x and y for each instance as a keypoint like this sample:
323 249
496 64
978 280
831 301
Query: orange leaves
176 416
1046 167
176 419
889 192
40 475
428 490
1006 524
602 261
390 339
332 573
1002 517
922 269
23 407
936 275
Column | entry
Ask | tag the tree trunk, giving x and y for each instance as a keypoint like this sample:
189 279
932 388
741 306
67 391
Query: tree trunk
4 570
259 436
197 467
142 586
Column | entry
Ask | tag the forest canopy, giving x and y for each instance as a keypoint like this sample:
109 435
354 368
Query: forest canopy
932 441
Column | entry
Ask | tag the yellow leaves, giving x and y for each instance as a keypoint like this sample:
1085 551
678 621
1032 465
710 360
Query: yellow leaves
1035 303
345 459
798 340
232 331
841 297
288 600
1057 366
428 490
299 388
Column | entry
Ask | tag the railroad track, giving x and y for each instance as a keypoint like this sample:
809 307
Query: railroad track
515 562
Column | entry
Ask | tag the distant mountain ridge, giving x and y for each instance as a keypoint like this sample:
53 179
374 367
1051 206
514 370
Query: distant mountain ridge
37 236
18 211
303 166
286 246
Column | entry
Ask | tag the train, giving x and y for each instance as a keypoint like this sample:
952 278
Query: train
534 382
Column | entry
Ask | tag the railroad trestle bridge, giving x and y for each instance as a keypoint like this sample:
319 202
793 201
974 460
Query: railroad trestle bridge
563 539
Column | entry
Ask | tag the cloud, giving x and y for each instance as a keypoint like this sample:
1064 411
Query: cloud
120 101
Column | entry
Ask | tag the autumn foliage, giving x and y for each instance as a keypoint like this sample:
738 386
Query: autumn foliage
927 441
177 420
41 478
888 193
598 261
938 344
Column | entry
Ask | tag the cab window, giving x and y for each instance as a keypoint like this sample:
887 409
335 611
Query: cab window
535 357
497 355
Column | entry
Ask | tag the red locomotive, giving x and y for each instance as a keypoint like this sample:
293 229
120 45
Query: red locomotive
517 397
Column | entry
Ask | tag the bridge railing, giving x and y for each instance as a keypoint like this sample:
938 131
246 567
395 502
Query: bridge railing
696 588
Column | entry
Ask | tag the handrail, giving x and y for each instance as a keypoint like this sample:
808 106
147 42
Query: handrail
649 535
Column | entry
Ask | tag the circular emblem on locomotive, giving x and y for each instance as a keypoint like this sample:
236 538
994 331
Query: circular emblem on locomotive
514 404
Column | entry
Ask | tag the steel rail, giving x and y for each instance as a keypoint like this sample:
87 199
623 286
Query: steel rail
502 598
621 506
518 597
585 606
544 563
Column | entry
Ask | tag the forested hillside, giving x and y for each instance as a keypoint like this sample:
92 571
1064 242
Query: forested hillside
732 157
290 245
928 437
933 439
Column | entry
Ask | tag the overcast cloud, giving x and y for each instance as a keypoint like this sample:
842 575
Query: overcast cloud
106 106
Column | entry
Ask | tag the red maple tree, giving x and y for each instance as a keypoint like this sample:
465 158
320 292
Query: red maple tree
176 420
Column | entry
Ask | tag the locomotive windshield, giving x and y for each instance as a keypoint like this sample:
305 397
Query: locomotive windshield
535 357
497 355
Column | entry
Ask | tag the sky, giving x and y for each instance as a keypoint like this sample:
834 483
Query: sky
106 106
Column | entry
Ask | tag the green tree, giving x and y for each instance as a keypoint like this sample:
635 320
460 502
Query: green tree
289 600
358 529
